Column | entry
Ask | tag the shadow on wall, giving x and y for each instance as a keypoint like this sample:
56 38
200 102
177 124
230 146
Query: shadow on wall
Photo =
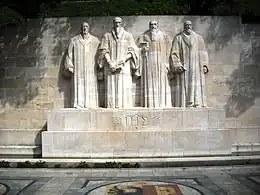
221 30
65 83
22 63
244 83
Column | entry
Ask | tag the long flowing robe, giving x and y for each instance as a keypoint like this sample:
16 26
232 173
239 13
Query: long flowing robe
118 86
190 52
155 83
81 57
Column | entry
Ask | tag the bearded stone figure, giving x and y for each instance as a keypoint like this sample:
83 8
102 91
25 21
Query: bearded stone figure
189 60
80 63
118 57
155 71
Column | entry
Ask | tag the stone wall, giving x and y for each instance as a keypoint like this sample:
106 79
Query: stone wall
31 57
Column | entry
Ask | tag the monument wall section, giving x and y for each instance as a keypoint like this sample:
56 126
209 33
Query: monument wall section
31 84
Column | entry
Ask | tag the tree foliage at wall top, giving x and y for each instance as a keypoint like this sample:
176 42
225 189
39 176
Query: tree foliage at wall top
17 11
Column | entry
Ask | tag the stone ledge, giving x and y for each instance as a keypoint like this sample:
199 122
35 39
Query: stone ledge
13 137
246 149
145 162
17 151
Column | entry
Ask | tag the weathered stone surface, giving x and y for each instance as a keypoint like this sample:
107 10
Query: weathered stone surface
135 133
232 83
245 135
17 119
13 137
142 119
20 151
135 143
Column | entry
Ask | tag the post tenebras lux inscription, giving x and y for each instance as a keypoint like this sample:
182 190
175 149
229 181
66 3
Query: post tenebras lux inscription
133 121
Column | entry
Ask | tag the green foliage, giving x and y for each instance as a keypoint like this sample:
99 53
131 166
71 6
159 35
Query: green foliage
28 164
82 164
120 7
4 164
25 164
17 11
57 166
115 165
128 165
40 164
9 16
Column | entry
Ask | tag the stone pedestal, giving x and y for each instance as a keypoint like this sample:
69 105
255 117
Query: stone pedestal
138 132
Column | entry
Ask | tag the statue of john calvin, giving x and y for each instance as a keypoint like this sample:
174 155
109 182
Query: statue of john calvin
118 57
80 62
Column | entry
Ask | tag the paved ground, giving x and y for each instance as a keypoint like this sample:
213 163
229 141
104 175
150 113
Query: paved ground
244 180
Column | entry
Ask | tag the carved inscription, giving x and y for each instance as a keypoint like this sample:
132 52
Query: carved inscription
130 121
116 120
135 120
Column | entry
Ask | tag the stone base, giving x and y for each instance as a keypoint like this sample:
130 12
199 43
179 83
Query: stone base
115 144
20 143
20 151
140 132
135 119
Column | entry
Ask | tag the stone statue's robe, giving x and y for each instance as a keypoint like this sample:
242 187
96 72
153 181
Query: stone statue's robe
81 57
118 86
154 67
189 87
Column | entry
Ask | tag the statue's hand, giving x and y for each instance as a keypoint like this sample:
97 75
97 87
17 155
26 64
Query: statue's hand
100 75
169 73
145 49
112 65
205 69
121 63
128 57
137 74
113 69
71 70
180 69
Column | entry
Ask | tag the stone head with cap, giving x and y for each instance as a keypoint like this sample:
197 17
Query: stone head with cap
117 21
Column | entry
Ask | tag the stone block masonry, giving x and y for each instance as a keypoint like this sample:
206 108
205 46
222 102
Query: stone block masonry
135 133
31 86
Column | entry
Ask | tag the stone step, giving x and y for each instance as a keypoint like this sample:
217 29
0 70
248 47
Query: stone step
25 137
18 151
246 149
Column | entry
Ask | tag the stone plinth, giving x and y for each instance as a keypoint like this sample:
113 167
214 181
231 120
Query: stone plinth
135 119
137 132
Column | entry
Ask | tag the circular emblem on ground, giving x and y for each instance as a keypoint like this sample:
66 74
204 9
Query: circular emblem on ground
3 189
144 188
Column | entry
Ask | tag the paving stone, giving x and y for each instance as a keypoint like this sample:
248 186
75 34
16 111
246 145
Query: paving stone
190 180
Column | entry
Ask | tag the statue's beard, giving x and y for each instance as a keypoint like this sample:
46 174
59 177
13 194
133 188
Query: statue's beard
117 30
154 34
188 31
